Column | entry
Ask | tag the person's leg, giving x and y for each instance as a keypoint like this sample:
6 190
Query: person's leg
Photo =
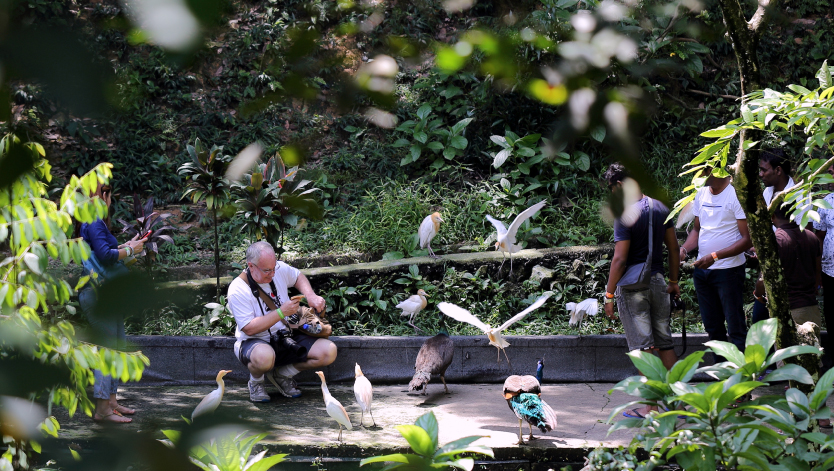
828 313
661 314
730 286
258 357
760 311
709 305
635 314
322 353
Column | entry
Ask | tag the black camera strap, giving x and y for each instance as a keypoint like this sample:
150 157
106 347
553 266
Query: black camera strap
259 293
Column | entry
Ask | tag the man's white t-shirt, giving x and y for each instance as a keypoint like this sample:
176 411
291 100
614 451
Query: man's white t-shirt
718 215
245 306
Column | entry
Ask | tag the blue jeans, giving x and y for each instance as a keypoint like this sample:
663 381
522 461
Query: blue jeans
720 300
760 311
113 329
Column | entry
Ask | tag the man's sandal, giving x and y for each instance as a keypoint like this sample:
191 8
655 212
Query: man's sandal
114 417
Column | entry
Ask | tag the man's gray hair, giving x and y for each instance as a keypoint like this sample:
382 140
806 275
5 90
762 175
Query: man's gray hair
254 252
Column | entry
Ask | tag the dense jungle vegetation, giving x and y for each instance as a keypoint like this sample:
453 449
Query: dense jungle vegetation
491 151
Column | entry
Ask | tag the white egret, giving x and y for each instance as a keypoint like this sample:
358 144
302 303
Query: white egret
428 229
334 407
212 400
364 393
494 334
506 235
578 311
412 306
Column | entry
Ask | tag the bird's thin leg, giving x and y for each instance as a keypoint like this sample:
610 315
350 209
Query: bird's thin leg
372 416
531 433
431 252
505 356
504 259
444 383
340 432
498 360
520 435
362 420
511 264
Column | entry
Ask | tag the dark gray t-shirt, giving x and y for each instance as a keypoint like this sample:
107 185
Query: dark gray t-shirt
638 234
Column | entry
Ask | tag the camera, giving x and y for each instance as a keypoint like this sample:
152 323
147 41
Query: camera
676 304
282 340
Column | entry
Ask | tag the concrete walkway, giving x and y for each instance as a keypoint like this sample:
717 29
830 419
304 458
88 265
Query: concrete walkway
302 426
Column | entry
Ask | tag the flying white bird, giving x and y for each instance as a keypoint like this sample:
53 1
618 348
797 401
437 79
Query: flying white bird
212 400
506 235
364 393
334 407
494 334
631 194
578 311
412 306
428 229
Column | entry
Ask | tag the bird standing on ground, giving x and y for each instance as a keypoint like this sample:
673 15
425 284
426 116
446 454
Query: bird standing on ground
428 229
506 235
412 306
494 334
364 393
578 311
334 407
523 395
212 400
434 358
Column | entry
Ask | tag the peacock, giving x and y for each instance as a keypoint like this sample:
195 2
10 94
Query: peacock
434 358
523 395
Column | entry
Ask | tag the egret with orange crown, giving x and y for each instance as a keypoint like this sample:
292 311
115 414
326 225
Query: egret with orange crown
212 400
428 229
412 306
364 393
334 407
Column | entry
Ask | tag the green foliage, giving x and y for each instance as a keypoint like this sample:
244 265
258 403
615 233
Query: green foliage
271 199
147 220
723 427
205 175
428 132
49 362
228 452
780 114
422 438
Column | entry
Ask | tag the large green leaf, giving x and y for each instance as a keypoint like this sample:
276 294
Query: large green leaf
418 439
648 364
790 372
792 351
684 369
763 333
727 350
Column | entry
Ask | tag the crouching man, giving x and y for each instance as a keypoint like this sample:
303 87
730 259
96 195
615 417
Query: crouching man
263 311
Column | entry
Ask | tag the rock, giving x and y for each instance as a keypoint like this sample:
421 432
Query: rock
541 274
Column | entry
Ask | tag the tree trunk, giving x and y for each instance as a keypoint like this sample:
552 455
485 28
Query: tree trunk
216 257
744 36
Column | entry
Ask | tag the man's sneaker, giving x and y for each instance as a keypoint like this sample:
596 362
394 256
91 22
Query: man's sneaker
285 384
257 392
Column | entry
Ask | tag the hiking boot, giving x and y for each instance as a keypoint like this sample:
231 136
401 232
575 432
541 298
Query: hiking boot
285 384
257 392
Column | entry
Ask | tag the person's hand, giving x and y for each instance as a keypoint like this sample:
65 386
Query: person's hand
317 303
674 288
609 311
704 262
289 308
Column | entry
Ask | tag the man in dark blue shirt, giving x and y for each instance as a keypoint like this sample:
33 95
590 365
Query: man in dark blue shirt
645 313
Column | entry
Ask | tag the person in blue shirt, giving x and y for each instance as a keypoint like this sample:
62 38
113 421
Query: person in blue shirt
106 261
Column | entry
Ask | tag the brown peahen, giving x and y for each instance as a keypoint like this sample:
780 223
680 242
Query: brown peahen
434 358
523 395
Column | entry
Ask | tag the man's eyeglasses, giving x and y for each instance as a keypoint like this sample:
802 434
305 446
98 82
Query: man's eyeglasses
265 272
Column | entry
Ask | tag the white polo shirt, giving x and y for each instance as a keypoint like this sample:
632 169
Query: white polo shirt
245 306
718 216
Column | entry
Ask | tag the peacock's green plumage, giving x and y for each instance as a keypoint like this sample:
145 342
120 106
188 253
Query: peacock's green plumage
531 408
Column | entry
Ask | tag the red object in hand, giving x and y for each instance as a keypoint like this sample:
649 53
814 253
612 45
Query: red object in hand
146 234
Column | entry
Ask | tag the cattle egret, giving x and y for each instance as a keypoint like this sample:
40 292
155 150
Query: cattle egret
578 311
212 400
506 235
364 393
412 306
523 395
685 216
494 334
334 407
428 229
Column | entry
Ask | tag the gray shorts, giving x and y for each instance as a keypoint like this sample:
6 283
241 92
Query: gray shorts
645 315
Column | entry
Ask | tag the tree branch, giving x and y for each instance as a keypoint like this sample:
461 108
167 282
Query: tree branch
759 17
778 198
699 92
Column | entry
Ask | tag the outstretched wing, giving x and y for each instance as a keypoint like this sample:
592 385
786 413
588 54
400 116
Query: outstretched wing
460 314
523 313
685 216
499 226
525 215
590 306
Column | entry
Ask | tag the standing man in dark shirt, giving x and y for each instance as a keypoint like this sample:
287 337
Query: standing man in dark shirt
645 313
801 255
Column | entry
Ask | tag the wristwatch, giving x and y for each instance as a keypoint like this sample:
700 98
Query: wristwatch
609 298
